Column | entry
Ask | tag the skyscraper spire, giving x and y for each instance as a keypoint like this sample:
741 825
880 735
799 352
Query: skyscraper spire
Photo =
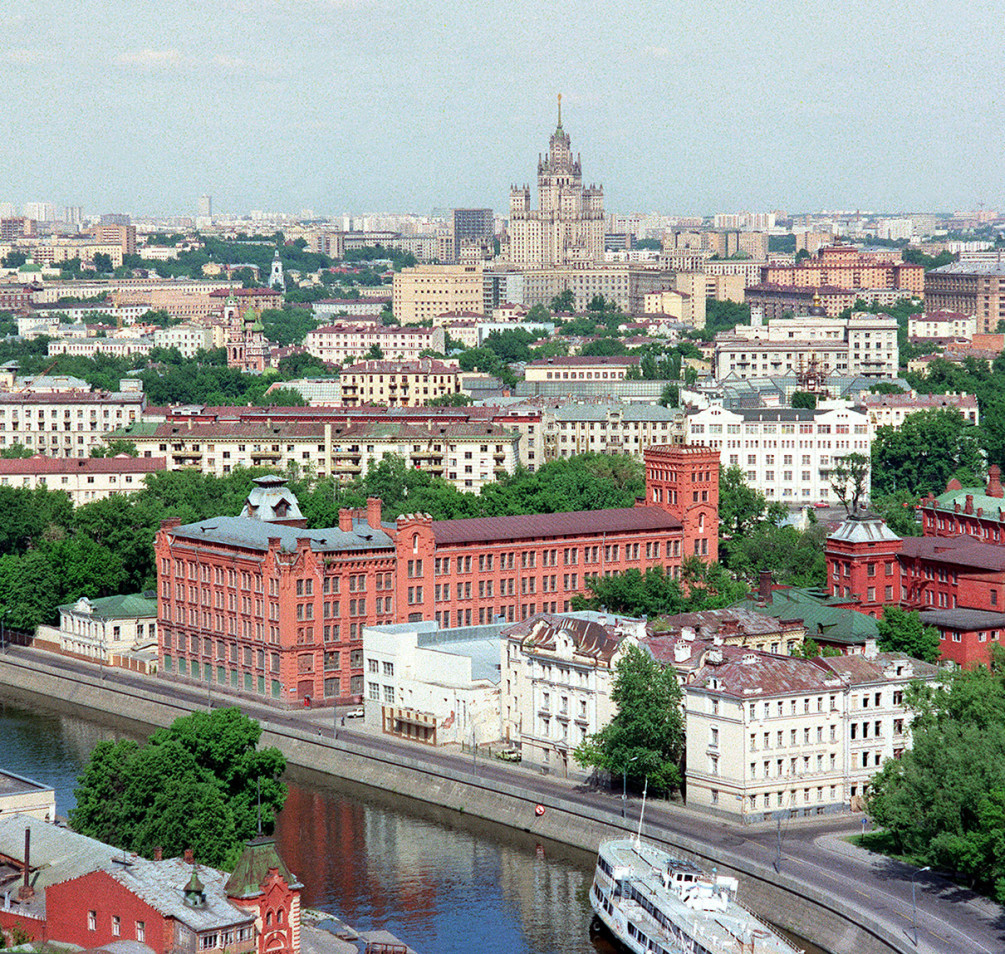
559 111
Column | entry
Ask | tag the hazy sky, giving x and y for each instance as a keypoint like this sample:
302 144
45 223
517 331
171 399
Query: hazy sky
353 105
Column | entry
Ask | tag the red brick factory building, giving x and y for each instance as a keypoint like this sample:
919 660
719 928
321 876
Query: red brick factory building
260 604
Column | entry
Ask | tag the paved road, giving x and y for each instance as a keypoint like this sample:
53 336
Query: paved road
949 919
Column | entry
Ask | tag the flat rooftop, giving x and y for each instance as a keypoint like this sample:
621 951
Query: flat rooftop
11 784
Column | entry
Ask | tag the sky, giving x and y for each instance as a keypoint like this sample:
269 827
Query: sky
376 105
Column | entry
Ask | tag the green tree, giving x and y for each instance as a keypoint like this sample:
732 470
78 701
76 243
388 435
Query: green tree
113 447
103 263
741 507
670 395
804 399
194 785
848 480
14 259
564 302
450 400
537 313
927 450
604 347
899 510
375 353
901 631
645 739
16 451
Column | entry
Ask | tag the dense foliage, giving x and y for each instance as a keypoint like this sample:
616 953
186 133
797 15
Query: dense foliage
901 631
645 739
943 801
194 785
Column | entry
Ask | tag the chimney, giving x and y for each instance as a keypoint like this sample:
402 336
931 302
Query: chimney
158 853
969 507
189 856
764 586
994 488
373 505
345 520
26 892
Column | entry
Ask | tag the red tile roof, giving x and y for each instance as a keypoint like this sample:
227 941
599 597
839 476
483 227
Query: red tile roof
959 551
536 526
122 464
579 360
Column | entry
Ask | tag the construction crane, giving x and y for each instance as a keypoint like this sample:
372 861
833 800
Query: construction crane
27 384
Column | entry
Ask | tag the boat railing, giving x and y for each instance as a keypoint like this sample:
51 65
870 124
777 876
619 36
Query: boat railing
781 940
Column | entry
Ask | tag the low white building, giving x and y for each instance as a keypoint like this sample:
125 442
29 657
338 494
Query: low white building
890 410
941 324
787 454
189 339
109 628
557 675
22 796
771 736
433 685
339 342
83 479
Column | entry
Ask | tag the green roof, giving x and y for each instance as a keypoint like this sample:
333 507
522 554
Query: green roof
822 615
133 605
990 505
136 429
253 866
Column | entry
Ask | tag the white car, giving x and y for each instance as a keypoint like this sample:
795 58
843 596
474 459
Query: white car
356 712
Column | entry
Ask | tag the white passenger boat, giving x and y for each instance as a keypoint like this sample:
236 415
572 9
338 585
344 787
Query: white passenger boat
654 903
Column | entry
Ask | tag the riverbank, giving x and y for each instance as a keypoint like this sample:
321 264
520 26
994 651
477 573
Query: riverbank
570 816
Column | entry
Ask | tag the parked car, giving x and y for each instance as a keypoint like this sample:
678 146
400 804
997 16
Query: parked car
356 712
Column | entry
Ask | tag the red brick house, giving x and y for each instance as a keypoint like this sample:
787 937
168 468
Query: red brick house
261 604
69 889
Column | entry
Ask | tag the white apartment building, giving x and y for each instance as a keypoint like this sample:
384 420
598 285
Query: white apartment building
609 429
890 410
862 345
580 368
189 339
771 736
557 674
433 685
785 453
82 479
329 309
89 347
65 423
339 342
942 324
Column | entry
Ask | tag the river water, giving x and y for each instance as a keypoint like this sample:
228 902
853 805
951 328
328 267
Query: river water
442 882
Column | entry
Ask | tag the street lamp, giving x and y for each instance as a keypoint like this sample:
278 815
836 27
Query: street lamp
914 903
624 783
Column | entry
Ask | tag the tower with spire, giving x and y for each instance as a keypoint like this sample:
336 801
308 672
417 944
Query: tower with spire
567 228
276 279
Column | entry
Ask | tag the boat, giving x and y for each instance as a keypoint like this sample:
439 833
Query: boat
654 903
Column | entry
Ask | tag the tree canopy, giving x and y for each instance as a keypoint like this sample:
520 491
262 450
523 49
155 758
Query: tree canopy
943 801
645 739
901 631
193 785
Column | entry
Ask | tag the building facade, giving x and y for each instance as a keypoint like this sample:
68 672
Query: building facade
339 342
398 383
580 368
82 479
972 288
424 292
844 266
568 226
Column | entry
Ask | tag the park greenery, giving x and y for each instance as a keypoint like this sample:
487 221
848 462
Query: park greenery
902 631
195 784
942 803
645 739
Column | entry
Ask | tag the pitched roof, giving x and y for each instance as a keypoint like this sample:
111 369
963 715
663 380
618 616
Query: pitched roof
580 360
747 673
535 526
591 634
963 620
127 606
960 551
255 534
122 464
822 617
253 866
860 669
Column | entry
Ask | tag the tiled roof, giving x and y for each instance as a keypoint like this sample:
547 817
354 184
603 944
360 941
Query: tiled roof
859 669
422 366
981 500
72 397
746 673
253 866
864 528
536 526
821 618
122 464
963 620
730 621
588 634
960 551
993 267
629 412
919 400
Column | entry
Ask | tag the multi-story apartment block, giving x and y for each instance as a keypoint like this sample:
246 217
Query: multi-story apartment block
336 343
260 603
625 285
82 479
974 288
189 339
580 368
557 673
89 347
398 384
937 325
781 301
890 410
112 234
471 228
771 736
609 429
863 345
844 266
787 454
426 291
331 308
66 423
568 225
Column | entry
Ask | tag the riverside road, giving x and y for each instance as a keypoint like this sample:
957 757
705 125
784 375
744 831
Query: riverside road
948 919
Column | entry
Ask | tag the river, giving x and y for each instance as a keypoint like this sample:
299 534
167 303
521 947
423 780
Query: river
442 882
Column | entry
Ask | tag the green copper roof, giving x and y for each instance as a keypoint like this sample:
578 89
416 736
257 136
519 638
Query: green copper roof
133 605
820 616
253 866
990 505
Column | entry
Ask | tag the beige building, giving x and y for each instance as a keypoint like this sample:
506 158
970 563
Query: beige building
398 384
83 479
188 338
108 629
625 285
609 429
890 410
67 423
974 288
557 675
568 226
942 324
580 368
22 796
426 291
89 347
683 306
65 250
769 734
335 343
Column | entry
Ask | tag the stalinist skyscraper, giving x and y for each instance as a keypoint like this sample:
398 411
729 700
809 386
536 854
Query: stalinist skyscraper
567 228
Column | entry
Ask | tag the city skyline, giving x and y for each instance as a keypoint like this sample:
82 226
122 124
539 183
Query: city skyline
354 107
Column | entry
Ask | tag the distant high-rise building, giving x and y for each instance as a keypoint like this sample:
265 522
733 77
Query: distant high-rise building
205 207
72 214
568 226
7 210
115 218
471 227
40 211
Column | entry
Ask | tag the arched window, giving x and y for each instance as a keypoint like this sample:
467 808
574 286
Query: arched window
415 543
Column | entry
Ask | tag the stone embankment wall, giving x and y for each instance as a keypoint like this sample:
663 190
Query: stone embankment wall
792 902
